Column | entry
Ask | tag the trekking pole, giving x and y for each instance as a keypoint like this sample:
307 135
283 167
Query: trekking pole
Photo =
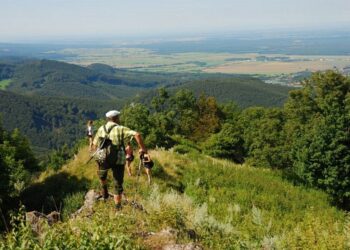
137 181
92 156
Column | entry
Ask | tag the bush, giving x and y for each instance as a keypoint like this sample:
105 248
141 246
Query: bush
227 144
318 125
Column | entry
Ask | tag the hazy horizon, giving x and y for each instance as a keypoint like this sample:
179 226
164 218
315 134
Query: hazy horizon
40 20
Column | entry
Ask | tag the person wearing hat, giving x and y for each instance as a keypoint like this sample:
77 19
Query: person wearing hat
118 135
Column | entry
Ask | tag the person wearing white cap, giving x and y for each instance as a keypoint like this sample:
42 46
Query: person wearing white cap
118 135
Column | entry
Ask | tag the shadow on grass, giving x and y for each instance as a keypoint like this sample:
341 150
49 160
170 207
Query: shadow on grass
49 194
159 172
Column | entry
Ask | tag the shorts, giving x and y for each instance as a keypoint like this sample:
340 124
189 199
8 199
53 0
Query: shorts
130 158
148 165
118 177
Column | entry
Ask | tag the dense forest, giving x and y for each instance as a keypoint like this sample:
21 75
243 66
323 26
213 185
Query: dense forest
50 123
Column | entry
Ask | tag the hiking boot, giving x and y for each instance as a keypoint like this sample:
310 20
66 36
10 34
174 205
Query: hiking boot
118 207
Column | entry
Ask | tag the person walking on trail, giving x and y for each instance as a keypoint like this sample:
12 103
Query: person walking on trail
90 133
129 157
117 135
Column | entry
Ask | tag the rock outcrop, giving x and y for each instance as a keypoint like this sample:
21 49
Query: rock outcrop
36 220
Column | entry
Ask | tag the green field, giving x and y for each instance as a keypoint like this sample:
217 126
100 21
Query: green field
4 84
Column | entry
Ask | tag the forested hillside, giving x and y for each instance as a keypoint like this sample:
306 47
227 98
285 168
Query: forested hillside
102 82
58 79
50 122
244 91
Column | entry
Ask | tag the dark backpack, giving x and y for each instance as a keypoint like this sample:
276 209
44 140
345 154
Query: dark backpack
107 153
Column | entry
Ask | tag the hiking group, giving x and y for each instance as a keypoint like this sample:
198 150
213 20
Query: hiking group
110 152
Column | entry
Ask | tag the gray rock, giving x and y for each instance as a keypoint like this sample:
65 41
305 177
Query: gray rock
87 208
189 246
37 220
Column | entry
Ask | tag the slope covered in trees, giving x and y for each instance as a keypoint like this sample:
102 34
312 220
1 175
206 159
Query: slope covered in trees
53 78
50 122
244 91
17 163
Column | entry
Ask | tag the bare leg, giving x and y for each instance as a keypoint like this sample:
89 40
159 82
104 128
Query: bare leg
117 198
128 166
90 144
148 172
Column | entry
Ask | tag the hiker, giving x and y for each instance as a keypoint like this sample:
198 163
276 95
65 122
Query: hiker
148 164
90 133
129 157
118 135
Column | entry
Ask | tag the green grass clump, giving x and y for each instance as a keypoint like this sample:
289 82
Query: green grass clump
4 84
103 230
72 203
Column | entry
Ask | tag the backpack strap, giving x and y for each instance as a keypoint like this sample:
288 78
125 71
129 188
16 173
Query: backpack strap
109 130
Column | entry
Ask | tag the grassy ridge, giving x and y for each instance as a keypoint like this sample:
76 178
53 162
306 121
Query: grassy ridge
228 206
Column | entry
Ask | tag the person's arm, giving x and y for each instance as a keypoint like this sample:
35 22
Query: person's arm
128 133
139 141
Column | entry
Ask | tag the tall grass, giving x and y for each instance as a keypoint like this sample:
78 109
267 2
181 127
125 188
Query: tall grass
227 206
255 207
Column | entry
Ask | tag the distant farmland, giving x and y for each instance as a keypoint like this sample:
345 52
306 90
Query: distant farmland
252 63
276 67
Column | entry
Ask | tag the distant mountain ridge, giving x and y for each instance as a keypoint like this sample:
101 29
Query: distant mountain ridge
53 78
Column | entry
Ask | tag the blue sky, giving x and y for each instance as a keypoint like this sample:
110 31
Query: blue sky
31 19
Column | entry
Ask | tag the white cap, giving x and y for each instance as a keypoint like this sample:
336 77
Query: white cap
112 113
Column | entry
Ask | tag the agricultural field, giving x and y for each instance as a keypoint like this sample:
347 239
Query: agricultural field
250 63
